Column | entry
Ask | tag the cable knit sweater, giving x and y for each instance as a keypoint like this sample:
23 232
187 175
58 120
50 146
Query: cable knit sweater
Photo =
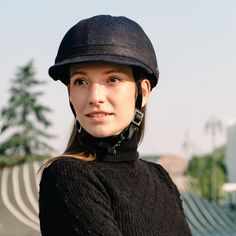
114 195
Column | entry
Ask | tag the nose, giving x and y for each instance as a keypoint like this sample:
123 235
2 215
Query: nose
97 94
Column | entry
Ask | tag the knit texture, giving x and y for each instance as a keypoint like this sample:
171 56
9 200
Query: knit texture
111 196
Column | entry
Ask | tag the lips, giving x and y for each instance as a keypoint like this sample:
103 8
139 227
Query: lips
98 114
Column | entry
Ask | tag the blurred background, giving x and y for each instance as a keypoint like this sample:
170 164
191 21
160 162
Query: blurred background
191 118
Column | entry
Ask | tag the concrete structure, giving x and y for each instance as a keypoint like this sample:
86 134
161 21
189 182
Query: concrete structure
19 187
231 151
174 164
230 154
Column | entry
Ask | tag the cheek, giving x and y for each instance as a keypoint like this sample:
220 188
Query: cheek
131 94
77 101
127 99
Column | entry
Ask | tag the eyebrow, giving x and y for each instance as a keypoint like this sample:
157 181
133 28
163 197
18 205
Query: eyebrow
78 72
115 70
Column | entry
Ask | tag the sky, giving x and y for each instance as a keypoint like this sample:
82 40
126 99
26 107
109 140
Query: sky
196 53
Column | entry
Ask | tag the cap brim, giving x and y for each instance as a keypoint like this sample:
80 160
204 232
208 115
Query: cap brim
60 71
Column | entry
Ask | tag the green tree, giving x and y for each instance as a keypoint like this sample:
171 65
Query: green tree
200 169
23 119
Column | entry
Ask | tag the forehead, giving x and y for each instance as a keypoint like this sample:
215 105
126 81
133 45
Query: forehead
100 66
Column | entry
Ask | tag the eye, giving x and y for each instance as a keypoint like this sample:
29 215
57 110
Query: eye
113 80
79 82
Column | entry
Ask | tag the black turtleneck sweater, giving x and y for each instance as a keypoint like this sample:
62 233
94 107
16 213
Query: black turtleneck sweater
117 194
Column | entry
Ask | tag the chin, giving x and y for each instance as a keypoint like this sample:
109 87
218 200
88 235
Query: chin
103 133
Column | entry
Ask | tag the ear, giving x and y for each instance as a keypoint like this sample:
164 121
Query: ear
146 89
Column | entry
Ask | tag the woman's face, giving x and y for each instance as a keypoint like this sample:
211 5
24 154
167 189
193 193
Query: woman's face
103 96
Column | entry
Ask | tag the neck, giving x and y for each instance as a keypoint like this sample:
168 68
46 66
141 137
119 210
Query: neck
122 147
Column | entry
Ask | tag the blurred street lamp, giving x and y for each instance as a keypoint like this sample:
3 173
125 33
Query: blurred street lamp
213 126
187 145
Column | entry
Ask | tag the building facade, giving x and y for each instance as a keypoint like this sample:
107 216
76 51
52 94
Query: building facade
231 152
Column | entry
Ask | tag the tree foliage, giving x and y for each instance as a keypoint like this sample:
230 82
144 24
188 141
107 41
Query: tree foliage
23 119
200 168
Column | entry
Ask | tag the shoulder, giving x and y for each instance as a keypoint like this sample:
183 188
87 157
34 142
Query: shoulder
165 178
63 164
160 172
156 167
63 170
69 178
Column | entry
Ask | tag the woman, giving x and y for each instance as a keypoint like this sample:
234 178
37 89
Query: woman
99 186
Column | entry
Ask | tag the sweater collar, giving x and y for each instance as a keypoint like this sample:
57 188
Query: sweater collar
110 149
